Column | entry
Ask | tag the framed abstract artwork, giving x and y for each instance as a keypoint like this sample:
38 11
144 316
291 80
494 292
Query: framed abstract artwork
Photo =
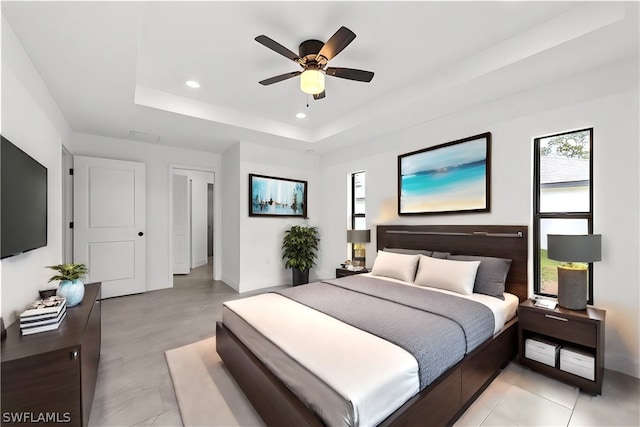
271 196
453 177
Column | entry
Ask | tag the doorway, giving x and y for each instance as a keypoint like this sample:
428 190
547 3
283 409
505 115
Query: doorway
193 219
109 203
67 206
210 221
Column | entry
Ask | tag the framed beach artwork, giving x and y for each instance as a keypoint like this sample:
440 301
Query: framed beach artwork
454 177
271 196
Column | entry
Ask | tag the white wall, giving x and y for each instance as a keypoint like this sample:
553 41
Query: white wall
616 185
562 199
261 263
34 123
253 245
157 159
230 233
559 199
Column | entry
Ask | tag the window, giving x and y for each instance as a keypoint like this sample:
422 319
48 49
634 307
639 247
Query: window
563 199
358 213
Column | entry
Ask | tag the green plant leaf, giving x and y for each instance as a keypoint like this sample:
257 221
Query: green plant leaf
68 271
300 247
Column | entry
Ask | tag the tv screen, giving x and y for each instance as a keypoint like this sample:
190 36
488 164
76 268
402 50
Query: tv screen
23 207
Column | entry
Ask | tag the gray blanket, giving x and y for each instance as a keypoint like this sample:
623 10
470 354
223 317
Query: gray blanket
436 328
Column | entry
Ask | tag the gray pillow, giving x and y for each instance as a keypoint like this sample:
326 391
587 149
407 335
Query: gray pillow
491 276
440 255
408 251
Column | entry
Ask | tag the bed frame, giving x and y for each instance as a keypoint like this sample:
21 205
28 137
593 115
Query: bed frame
449 396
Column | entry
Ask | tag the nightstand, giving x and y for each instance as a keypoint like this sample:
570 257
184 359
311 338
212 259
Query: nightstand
579 335
341 272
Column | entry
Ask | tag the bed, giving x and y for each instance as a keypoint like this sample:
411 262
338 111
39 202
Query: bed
262 366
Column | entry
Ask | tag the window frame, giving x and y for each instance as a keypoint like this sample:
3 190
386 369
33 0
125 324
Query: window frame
538 216
355 215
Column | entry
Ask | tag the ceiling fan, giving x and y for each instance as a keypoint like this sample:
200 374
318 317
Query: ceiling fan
313 56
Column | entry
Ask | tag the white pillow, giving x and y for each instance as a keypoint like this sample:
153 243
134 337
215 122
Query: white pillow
455 276
396 266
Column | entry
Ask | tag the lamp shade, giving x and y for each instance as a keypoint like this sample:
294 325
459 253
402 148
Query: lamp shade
574 248
358 236
312 82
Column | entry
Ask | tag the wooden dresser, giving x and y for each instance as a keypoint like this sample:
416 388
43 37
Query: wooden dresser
49 378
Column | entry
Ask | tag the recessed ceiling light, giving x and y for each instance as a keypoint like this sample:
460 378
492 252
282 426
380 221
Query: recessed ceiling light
192 83
301 115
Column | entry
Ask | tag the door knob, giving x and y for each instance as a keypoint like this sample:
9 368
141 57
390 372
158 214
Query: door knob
140 234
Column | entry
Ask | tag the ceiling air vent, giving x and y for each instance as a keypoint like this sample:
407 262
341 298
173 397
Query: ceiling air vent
144 136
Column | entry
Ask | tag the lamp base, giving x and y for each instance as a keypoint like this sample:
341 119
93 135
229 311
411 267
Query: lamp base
572 288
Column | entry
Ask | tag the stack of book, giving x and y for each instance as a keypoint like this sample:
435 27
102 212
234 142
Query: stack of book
43 315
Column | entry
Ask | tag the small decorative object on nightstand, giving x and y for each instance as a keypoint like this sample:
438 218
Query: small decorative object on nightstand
342 272
579 337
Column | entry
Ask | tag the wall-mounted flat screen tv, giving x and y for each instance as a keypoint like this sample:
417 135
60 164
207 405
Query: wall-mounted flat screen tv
23 201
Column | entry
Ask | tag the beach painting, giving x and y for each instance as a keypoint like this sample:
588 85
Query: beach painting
271 196
447 178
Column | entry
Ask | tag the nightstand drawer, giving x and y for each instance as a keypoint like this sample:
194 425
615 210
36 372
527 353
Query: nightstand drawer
559 326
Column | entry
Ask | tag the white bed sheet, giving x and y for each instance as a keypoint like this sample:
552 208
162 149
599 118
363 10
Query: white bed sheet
347 376
343 373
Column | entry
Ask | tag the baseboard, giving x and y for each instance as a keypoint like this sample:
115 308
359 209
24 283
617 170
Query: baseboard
622 364
233 284
200 262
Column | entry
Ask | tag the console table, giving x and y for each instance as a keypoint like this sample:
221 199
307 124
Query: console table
49 378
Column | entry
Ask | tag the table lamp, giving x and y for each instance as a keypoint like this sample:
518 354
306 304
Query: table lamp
360 236
572 278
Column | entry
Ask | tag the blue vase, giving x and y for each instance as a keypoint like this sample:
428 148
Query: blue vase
72 291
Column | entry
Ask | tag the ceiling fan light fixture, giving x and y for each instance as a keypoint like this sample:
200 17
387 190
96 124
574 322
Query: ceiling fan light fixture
312 82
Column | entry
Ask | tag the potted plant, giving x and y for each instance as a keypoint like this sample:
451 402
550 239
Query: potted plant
300 250
71 287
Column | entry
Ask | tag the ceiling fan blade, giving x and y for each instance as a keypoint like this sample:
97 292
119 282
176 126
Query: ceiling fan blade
320 95
277 47
279 78
336 43
350 74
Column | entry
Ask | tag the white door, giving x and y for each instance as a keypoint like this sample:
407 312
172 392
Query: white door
181 234
109 223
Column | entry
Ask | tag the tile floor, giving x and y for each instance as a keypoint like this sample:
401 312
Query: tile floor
134 387
521 397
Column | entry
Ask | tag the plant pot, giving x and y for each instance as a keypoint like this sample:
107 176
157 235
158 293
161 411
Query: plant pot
72 291
300 277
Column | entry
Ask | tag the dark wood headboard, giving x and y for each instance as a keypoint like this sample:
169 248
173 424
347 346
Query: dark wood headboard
501 241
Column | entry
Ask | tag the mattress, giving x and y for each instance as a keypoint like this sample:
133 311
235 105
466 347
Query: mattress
342 373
